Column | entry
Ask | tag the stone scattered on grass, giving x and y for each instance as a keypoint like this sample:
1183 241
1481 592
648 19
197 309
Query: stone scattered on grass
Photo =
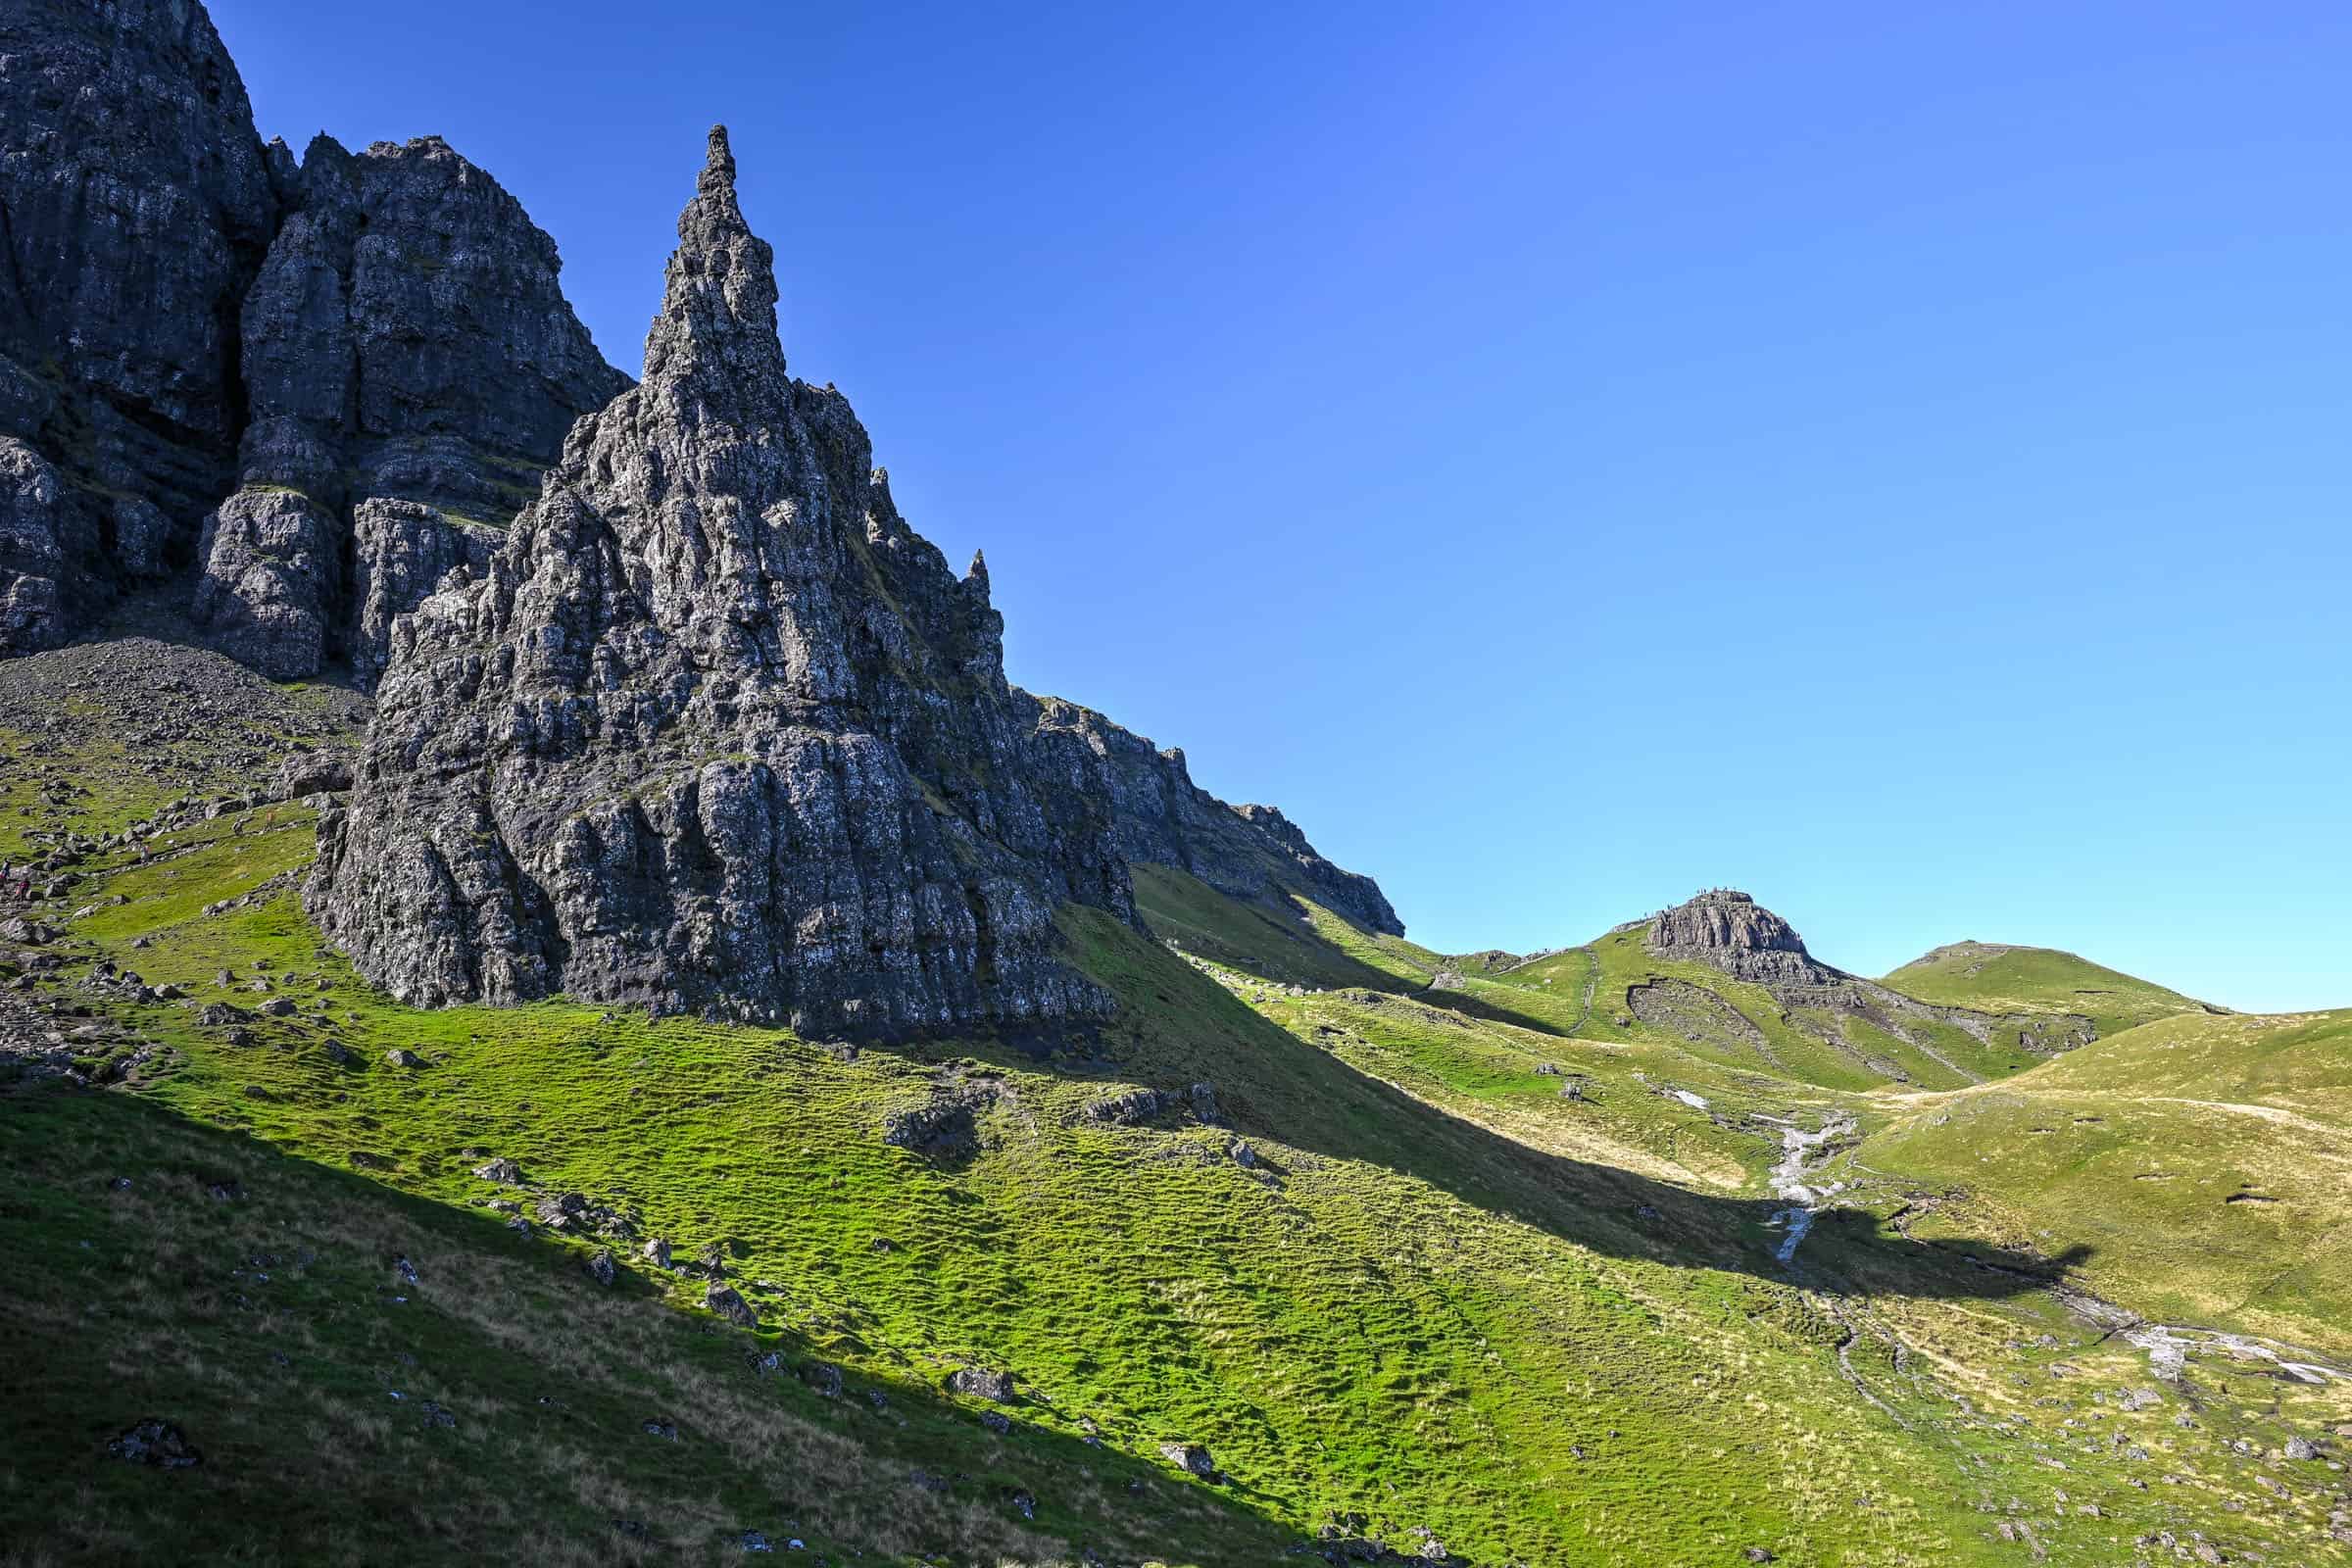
153 1442
728 1302
1191 1458
982 1384
600 1267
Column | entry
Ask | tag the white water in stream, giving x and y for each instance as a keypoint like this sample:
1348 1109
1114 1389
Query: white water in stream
2169 1349
1794 1179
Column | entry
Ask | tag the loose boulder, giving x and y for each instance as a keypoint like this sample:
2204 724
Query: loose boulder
981 1382
728 1302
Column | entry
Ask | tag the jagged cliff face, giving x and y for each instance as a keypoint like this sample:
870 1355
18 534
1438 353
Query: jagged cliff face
405 341
1159 815
211 359
134 210
715 729
1735 934
710 726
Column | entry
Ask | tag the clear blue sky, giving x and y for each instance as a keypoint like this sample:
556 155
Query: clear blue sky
1896 459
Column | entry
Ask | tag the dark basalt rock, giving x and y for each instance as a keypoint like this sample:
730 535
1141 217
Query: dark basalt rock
711 728
400 550
134 209
159 1443
272 569
406 355
210 354
715 729
1159 815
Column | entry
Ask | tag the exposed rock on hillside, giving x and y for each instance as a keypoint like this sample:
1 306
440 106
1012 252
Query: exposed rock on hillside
1739 936
134 208
715 730
1732 932
710 727
209 355
406 339
1159 815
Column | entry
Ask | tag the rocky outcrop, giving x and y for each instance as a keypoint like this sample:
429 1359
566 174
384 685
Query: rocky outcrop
406 341
1730 931
715 729
400 550
272 572
1160 816
194 327
134 209
40 540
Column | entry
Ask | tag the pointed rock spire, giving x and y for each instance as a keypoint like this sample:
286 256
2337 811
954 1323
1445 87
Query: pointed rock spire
718 325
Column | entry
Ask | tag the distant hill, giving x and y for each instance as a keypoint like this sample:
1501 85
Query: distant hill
2194 1164
1997 977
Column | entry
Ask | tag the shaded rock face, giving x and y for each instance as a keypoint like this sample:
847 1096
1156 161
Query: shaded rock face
40 539
1159 815
400 550
715 729
405 341
134 209
269 592
190 323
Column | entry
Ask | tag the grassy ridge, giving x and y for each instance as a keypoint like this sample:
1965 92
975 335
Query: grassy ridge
1994 978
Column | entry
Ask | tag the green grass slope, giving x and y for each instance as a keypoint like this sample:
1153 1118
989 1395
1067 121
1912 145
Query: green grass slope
1454 1266
2201 1165
1994 978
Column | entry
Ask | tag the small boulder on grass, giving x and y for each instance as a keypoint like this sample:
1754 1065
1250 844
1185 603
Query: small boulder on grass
401 1056
982 1384
154 1443
600 1267
504 1172
728 1302
1191 1458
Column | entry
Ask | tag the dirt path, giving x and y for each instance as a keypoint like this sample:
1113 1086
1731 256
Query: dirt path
2272 1113
1584 1011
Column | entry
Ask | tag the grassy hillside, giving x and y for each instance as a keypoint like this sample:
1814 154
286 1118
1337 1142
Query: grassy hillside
1454 1260
1994 978
2201 1165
